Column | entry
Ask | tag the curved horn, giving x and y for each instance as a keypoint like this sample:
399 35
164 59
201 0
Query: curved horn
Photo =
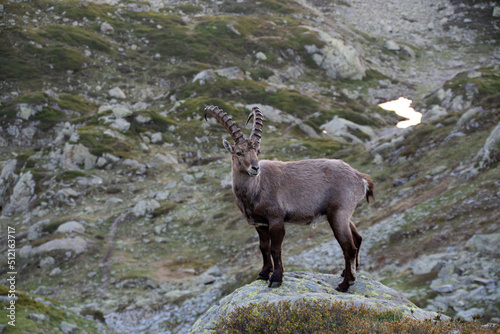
225 120
257 124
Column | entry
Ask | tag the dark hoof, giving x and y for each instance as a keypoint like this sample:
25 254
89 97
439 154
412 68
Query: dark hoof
274 284
262 277
340 288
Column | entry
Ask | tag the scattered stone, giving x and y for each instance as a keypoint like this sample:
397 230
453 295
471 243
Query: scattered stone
142 119
392 46
75 155
68 328
490 152
106 28
47 262
120 124
205 77
117 93
26 110
71 227
157 138
399 182
37 317
55 272
76 245
496 12
446 288
42 290
424 265
231 73
261 56
120 110
22 195
485 244
467 315
144 207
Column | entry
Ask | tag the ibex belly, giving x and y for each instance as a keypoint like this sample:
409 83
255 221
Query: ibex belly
312 221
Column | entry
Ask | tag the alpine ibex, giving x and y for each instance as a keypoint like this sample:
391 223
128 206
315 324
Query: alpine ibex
272 193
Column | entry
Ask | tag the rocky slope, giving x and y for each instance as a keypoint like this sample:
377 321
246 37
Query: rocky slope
120 194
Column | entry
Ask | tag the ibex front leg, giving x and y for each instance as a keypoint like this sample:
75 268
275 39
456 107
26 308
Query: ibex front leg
277 233
265 248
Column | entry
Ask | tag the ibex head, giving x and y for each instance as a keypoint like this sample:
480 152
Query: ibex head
244 152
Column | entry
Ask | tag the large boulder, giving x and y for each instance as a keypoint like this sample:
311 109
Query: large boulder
311 286
22 195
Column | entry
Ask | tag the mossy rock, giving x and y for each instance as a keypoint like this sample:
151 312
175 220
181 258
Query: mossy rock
312 287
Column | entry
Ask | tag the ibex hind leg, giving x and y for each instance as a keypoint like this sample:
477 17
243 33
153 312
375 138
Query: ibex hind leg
341 226
265 249
357 242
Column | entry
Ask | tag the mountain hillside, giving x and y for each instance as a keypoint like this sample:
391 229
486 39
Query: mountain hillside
118 193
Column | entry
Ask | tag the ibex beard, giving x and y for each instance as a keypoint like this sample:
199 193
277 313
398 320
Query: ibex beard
272 193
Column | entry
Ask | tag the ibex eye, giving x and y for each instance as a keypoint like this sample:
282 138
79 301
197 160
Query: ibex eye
239 154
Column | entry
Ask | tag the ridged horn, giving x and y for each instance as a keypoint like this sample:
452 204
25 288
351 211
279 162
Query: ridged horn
226 121
257 124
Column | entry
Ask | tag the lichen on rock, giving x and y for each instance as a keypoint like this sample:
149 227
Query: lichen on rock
312 286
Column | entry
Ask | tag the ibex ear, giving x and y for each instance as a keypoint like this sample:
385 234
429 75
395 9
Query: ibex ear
228 146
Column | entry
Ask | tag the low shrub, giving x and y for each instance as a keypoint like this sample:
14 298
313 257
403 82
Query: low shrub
311 316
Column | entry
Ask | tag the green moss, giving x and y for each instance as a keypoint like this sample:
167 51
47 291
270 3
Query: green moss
48 117
164 209
65 58
70 175
76 103
76 37
98 143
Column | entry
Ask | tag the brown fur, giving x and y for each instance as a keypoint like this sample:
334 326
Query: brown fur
272 193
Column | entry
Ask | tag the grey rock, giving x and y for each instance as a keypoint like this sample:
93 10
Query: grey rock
399 182
157 138
117 93
37 317
75 155
468 314
106 28
71 227
339 129
489 152
446 288
22 195
392 46
55 272
205 77
47 262
311 286
42 290
26 110
231 73
68 328
260 56
25 251
77 245
424 265
121 110
120 124
144 207
485 244
496 11
337 59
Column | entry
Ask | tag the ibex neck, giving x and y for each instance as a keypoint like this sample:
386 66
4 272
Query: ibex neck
244 184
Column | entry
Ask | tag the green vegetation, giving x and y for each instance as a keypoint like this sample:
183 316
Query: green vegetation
54 313
314 316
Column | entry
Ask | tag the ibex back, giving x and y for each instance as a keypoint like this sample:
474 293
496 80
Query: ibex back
272 193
